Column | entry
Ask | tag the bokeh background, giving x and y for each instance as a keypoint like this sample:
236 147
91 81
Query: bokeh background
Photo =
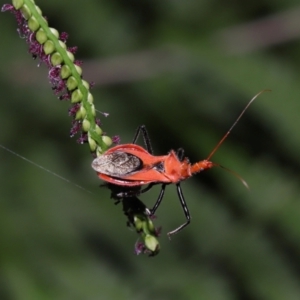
185 69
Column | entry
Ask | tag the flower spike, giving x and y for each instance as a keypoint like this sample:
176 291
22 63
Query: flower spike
48 46
65 74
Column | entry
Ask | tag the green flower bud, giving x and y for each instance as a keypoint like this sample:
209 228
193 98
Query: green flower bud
90 98
17 3
71 56
76 96
98 130
86 125
86 84
25 12
62 44
106 140
72 83
48 47
54 32
41 36
38 10
80 114
83 111
149 227
152 243
56 59
92 144
93 110
99 151
33 24
138 223
65 72
78 69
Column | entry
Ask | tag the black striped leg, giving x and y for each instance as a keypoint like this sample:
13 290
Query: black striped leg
159 199
185 209
142 129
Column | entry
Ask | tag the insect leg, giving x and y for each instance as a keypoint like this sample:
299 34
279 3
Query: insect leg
180 154
148 187
126 192
146 138
185 209
159 199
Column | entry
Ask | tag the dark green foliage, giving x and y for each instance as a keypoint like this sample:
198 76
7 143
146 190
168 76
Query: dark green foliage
165 65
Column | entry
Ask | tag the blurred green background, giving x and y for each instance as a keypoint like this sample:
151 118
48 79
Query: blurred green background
185 69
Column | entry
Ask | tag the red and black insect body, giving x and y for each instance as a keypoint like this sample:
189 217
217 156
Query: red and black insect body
131 166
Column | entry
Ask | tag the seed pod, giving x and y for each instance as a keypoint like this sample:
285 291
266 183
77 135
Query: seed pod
71 56
106 140
152 244
26 13
38 10
17 3
33 24
86 125
48 47
93 110
92 144
76 96
86 84
41 36
78 69
90 98
65 72
62 44
56 59
98 130
54 32
72 83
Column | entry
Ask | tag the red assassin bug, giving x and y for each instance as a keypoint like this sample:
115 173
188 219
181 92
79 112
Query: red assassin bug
131 166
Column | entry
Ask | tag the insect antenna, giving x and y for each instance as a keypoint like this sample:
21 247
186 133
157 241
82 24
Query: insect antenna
207 164
233 125
238 176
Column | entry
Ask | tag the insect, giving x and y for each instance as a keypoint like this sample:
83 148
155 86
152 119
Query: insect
131 166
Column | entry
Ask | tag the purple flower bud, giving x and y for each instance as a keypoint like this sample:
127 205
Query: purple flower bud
7 7
64 36
74 109
139 248
78 62
83 138
98 122
73 49
116 139
76 127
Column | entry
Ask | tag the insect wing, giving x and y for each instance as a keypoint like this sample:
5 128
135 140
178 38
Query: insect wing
117 163
147 159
